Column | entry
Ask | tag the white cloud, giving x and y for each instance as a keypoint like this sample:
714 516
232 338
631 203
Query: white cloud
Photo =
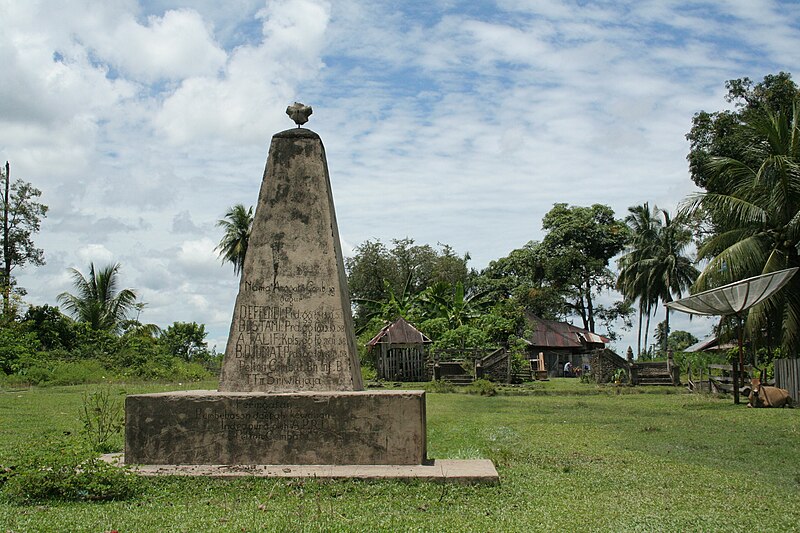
95 253
246 103
142 122
197 256
172 47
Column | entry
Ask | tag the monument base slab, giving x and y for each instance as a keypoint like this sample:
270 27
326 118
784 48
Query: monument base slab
297 428
467 471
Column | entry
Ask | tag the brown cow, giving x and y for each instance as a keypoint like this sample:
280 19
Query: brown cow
766 396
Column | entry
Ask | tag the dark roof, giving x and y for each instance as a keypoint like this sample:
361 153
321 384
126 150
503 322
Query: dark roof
709 344
553 334
399 332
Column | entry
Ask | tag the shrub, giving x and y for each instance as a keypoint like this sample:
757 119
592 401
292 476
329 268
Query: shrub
183 371
66 468
103 418
77 372
484 387
439 386
368 374
15 346
35 375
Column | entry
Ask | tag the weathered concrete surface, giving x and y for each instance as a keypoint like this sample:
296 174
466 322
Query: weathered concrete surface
450 470
302 428
292 327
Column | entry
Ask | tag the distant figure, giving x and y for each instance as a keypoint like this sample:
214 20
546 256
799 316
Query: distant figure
567 369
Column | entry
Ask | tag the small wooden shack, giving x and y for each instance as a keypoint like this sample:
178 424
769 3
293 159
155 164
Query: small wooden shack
561 342
403 352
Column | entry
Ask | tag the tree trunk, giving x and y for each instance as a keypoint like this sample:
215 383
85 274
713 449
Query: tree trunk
639 336
666 323
582 310
589 306
6 247
647 329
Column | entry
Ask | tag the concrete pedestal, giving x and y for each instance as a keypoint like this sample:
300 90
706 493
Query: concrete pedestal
301 428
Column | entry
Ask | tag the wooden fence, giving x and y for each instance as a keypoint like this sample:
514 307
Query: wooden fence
787 376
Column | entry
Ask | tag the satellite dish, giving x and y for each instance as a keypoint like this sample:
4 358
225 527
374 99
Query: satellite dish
734 299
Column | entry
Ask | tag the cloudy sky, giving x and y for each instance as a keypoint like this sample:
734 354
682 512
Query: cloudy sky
444 121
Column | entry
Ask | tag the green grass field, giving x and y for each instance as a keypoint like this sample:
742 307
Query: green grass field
571 457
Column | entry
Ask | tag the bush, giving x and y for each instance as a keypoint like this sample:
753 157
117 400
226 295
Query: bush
484 387
183 371
368 374
439 386
35 375
66 468
15 346
77 372
103 418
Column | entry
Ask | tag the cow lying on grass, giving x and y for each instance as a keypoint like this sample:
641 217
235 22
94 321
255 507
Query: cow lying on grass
766 396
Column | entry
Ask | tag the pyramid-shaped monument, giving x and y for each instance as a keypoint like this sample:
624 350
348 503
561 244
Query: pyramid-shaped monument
290 391
292 329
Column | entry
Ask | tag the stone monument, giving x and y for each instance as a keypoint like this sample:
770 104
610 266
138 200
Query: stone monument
290 389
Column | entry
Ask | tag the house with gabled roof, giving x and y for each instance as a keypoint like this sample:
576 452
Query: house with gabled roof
402 352
561 342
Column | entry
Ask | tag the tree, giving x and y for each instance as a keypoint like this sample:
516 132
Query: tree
186 340
670 270
388 282
522 277
757 218
656 268
21 215
52 328
678 341
579 244
720 133
98 301
632 280
453 304
237 225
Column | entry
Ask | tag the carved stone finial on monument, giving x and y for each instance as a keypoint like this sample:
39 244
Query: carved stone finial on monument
299 113
629 354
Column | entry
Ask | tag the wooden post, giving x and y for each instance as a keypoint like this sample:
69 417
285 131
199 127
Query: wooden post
736 371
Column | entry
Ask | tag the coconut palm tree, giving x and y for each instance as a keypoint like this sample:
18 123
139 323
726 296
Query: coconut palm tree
758 220
656 266
632 281
671 272
98 302
237 224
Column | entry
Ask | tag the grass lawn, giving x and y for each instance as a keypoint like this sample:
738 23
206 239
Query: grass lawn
571 457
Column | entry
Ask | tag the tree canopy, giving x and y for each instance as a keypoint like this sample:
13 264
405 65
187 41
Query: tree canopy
579 244
720 133
754 201
236 225
98 300
393 278
21 218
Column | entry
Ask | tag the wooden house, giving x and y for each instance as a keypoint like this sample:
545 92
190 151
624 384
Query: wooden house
402 352
561 342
